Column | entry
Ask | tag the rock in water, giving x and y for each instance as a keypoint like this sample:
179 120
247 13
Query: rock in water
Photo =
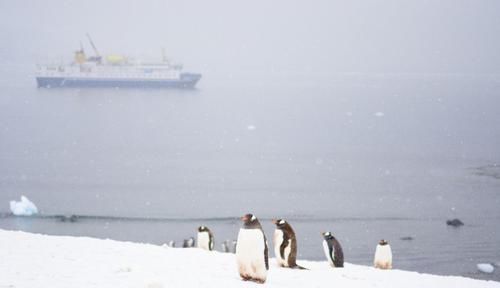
455 222
485 268
64 218
406 238
23 208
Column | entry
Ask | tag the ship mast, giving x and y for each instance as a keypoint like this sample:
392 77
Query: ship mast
97 58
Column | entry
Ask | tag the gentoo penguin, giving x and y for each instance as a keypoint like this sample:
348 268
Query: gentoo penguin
205 238
233 246
383 255
252 251
333 250
229 246
188 243
224 246
285 244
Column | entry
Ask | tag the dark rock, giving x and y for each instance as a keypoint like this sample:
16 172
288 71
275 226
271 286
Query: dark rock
406 238
65 218
454 222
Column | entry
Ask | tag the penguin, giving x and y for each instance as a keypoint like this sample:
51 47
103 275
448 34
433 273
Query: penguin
191 242
188 243
252 251
383 255
171 243
224 246
205 238
333 250
285 244
233 246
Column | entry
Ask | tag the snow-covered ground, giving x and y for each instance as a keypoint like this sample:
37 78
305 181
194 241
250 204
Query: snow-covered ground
32 260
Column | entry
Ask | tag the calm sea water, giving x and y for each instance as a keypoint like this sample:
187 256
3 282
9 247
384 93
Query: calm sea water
365 156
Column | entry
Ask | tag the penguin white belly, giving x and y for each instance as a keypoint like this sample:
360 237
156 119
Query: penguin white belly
383 257
250 254
278 240
327 252
204 240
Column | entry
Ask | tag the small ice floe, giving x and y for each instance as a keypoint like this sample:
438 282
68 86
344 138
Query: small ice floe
378 114
23 208
251 127
485 268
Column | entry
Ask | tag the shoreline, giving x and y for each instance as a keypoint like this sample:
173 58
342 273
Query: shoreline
30 260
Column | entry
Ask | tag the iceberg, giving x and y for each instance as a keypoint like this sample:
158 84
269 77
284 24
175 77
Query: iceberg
485 267
23 208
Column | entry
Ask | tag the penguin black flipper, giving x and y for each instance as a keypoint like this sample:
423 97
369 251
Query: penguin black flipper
211 241
283 245
266 252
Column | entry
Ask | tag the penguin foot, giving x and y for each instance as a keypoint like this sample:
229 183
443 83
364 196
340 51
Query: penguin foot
260 281
249 278
245 277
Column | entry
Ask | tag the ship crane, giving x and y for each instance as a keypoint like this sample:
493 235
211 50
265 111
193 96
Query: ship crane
97 58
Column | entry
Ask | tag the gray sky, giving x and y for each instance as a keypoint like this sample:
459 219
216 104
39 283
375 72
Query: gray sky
227 36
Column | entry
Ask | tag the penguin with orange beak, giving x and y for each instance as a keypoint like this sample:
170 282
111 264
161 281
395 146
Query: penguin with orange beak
285 244
252 250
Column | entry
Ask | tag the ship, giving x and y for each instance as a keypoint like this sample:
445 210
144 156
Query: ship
114 71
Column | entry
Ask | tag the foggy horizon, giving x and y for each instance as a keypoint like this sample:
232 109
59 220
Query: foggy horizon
225 37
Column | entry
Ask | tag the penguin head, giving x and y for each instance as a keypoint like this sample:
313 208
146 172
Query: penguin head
280 223
382 242
327 235
202 229
250 221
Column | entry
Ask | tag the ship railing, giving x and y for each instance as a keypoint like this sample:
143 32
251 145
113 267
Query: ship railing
73 74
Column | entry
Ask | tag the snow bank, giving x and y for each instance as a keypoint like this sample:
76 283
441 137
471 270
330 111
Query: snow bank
31 260
23 208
